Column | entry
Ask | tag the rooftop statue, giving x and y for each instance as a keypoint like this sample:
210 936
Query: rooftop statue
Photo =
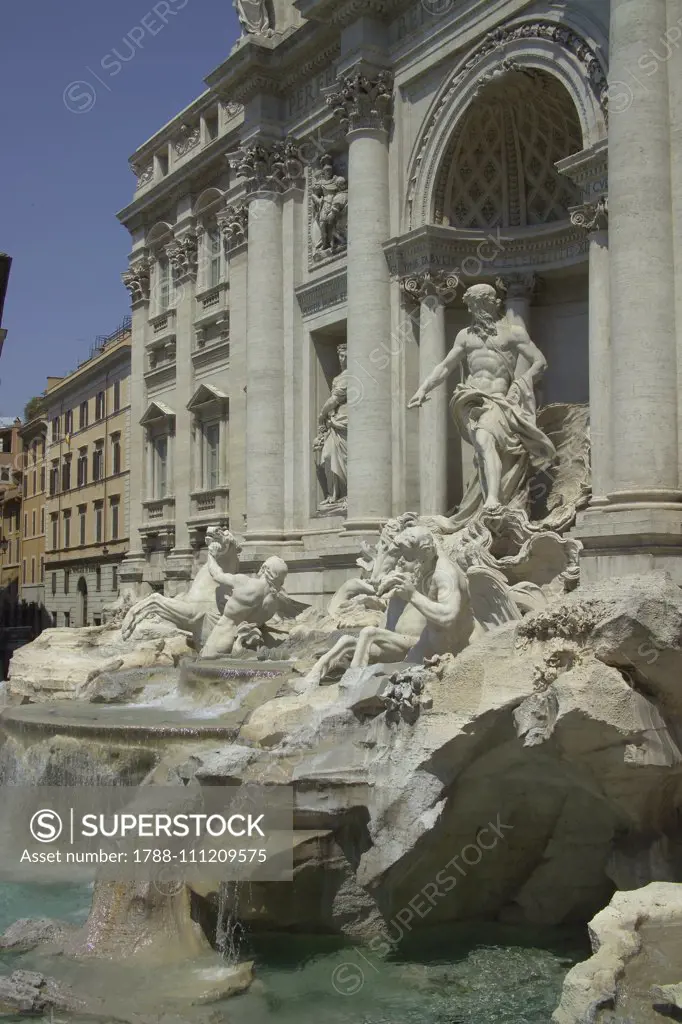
255 17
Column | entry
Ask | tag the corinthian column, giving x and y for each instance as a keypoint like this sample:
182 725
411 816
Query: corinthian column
433 291
362 102
593 217
264 167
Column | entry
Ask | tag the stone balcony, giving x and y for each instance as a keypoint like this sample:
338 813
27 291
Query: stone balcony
159 520
209 508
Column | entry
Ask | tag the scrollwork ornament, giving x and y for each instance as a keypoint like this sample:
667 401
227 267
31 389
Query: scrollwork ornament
591 217
360 101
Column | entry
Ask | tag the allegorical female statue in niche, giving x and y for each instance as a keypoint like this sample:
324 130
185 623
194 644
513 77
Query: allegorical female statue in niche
331 443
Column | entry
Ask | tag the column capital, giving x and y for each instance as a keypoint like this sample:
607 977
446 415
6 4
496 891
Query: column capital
233 222
517 286
592 217
182 254
442 285
136 279
363 100
269 165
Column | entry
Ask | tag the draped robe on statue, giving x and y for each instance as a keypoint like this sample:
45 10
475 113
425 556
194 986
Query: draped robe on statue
253 16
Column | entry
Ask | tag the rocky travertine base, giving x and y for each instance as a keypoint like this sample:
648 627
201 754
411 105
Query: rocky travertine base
635 972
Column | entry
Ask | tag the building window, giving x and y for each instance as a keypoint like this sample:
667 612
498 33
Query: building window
67 619
163 289
214 255
97 620
42 521
68 422
98 461
42 479
33 523
117 395
54 583
16 551
55 429
25 486
67 528
35 481
66 583
81 524
211 456
66 474
34 452
83 416
160 482
55 532
23 571
4 473
26 524
116 453
33 570
42 568
54 477
82 467
98 579
99 406
114 578
115 506
99 519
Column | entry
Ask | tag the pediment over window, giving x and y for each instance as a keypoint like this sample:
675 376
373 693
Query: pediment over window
206 395
157 412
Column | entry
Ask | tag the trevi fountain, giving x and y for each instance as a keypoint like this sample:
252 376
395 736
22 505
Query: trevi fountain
481 720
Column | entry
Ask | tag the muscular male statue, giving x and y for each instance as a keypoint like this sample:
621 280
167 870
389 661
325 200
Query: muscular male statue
495 408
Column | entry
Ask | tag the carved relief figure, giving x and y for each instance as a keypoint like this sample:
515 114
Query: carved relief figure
428 611
331 443
329 194
254 17
494 409
251 601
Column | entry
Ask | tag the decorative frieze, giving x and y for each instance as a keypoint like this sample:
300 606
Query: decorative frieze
189 136
233 222
592 217
143 174
361 101
182 255
439 283
324 294
136 280
269 167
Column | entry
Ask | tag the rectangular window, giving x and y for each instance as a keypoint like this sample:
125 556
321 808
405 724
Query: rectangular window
25 524
163 291
66 475
54 583
55 533
83 416
115 506
82 467
33 523
42 568
81 524
42 520
99 519
23 571
97 620
211 456
116 454
66 583
67 619
68 422
34 452
67 529
55 429
33 570
25 486
16 551
117 395
98 462
42 479
35 481
160 467
98 579
54 478
114 578
99 406
214 252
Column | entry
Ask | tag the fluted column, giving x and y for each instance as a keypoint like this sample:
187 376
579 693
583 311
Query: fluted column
264 168
433 291
362 103
593 217
644 374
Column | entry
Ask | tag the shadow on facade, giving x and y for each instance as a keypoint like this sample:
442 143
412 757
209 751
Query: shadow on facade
20 623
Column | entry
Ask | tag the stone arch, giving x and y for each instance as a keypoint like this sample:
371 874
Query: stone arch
208 201
159 235
525 50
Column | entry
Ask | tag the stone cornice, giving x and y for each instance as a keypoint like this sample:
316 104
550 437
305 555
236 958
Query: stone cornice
344 12
323 293
589 170
473 255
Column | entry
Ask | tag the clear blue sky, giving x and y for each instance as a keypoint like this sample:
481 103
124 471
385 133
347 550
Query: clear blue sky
63 175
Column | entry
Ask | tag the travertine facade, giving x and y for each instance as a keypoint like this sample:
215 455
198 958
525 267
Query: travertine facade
87 463
350 170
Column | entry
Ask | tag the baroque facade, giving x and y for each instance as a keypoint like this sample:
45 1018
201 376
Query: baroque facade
87 464
303 233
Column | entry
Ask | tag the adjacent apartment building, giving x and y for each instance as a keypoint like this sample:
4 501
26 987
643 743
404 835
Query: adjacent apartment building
34 467
87 468
10 504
